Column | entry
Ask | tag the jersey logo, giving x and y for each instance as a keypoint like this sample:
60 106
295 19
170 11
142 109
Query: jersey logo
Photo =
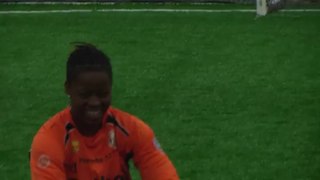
75 146
112 139
43 161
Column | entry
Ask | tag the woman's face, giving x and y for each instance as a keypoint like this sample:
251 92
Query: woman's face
90 97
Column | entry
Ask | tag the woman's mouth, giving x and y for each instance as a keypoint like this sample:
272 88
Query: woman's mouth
93 115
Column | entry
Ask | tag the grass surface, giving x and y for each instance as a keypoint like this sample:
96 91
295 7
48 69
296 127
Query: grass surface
229 96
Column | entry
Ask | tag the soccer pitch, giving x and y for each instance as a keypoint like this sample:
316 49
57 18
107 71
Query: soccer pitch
229 96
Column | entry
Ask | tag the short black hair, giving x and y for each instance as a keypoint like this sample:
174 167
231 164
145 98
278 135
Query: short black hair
86 57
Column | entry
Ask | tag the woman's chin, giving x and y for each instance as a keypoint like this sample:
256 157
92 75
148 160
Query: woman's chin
93 118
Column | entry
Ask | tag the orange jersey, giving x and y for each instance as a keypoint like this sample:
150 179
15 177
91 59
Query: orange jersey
60 152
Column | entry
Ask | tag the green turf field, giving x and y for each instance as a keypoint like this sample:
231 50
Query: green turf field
230 97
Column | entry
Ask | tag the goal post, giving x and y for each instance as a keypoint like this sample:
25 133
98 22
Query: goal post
267 6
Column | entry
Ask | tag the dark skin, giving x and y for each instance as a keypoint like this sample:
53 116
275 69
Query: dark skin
90 97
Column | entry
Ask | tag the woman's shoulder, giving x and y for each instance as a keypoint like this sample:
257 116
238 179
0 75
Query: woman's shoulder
126 120
54 128
123 116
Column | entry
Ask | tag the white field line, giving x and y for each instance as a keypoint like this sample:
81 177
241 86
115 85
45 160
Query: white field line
146 10
45 11
300 10
177 10
58 3
104 3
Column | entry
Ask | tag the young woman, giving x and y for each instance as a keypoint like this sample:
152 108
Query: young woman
90 139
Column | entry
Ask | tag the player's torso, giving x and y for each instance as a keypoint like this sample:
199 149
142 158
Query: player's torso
94 158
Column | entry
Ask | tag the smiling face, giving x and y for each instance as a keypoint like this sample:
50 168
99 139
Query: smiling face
90 97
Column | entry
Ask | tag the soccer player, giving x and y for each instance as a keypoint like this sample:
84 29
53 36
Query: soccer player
90 139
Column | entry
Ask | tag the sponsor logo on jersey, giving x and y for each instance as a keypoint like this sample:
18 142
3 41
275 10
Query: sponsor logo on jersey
112 139
100 159
75 146
87 160
43 161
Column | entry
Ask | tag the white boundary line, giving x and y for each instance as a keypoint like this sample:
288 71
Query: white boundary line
104 3
300 10
46 11
146 10
57 3
177 10
122 10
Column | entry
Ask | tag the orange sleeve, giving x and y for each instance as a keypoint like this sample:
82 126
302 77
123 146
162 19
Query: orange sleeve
46 158
149 158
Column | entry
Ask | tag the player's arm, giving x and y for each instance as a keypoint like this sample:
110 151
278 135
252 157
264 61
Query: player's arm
46 159
149 158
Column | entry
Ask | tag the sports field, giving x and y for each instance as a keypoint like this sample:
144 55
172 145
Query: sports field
230 96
